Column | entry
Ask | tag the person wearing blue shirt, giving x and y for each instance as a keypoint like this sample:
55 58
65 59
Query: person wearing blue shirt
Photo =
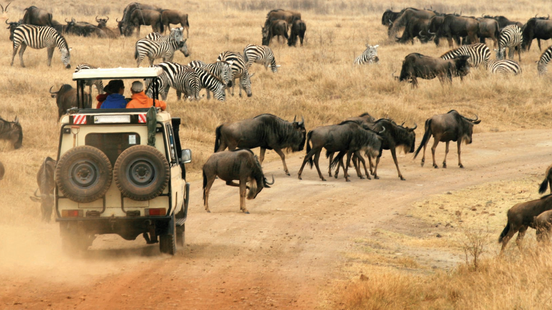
115 100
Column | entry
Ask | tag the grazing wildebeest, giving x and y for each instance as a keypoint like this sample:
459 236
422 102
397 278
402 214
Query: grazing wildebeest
288 16
547 181
272 29
334 138
105 32
2 169
66 98
539 28
416 66
445 128
266 131
241 165
37 17
45 180
521 216
175 17
453 27
11 131
144 17
488 28
297 29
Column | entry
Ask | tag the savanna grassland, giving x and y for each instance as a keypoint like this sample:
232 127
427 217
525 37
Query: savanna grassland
318 82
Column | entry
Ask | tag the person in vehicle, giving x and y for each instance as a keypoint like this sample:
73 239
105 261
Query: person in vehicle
115 100
140 100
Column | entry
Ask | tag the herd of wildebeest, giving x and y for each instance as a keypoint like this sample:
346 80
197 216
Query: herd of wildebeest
346 143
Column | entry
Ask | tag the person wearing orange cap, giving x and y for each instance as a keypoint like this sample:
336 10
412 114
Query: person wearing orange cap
140 100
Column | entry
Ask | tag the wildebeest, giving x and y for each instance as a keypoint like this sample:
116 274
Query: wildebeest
539 28
543 225
66 98
144 17
503 21
105 32
83 29
128 12
334 138
415 23
45 180
547 181
241 165
416 66
266 131
445 128
389 16
454 27
175 17
12 132
272 29
488 28
279 14
2 169
37 17
297 29
521 216
11 27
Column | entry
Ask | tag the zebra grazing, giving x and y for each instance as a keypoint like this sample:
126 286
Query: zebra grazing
210 82
39 37
369 56
479 53
544 60
239 70
183 78
164 48
260 54
503 66
511 38
221 70
89 83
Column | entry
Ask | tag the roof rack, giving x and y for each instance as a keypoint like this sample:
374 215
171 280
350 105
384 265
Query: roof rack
117 73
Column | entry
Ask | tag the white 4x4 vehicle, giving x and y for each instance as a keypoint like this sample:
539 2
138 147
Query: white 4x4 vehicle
120 171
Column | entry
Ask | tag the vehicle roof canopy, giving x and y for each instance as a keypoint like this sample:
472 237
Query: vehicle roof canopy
117 73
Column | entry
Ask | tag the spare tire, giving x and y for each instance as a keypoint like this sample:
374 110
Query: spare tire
83 174
141 172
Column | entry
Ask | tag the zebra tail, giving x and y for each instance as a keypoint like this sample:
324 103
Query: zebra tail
426 137
136 51
217 138
309 148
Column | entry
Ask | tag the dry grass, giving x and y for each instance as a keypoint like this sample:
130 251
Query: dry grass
316 81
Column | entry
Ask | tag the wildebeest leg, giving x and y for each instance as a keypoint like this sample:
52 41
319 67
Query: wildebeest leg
361 160
538 42
511 232
394 154
242 196
305 160
261 155
346 168
21 51
283 157
372 170
520 236
449 39
316 160
50 54
206 190
446 153
459 144
435 142
330 166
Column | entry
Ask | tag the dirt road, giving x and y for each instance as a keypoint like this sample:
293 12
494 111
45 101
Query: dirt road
282 255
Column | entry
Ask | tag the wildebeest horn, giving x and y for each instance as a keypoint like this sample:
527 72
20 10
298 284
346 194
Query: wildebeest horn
16 120
116 19
414 128
472 120
6 8
97 19
294 118
302 120
267 183
382 131
402 124
66 20
6 21
431 33
106 18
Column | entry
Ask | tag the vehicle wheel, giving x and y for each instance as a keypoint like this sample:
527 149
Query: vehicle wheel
141 172
83 174
167 241
180 235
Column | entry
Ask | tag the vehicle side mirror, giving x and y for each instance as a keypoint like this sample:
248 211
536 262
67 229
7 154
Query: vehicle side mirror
186 156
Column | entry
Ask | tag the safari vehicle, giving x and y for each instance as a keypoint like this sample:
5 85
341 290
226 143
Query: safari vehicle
120 171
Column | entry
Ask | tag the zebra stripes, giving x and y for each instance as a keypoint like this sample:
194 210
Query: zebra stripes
503 66
89 83
156 36
183 78
260 54
163 48
479 53
220 70
544 60
239 70
511 38
369 56
39 37
210 82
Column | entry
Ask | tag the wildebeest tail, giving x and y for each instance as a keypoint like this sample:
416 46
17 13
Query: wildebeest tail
544 185
217 138
337 159
309 148
504 233
204 184
426 137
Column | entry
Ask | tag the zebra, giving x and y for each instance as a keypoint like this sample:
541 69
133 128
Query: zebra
261 54
479 53
503 66
98 83
183 78
544 60
239 70
221 70
39 37
511 38
160 49
156 36
369 56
